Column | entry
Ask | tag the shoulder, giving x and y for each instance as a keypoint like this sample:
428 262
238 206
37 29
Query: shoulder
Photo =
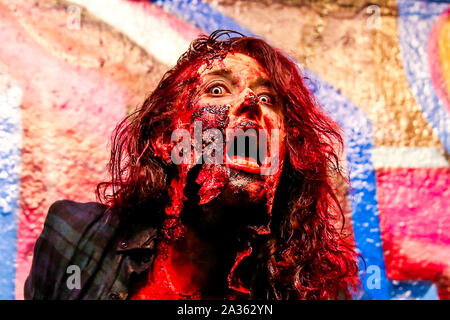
66 208
66 215
69 221
72 231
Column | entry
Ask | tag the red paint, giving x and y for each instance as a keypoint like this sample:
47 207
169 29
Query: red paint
66 131
415 223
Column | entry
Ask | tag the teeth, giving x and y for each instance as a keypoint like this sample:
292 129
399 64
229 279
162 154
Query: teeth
245 162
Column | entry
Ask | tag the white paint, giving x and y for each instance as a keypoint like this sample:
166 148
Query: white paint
408 157
10 143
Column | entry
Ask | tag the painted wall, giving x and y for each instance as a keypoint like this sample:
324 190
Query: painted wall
69 71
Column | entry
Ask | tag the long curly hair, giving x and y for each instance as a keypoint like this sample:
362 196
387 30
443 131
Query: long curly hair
306 256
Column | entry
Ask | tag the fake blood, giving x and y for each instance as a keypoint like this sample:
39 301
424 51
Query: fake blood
172 281
168 281
234 283
212 179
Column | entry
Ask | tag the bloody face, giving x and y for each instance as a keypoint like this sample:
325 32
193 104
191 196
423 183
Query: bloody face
232 94
236 93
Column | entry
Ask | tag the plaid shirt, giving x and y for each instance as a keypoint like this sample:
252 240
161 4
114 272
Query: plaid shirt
87 235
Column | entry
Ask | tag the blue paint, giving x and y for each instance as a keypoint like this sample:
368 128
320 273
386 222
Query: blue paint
431 294
424 290
201 15
10 159
438 1
415 22
358 142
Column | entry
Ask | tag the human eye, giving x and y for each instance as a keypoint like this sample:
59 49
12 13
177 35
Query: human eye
266 98
217 89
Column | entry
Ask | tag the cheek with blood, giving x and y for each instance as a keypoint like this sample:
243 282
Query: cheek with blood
211 116
212 178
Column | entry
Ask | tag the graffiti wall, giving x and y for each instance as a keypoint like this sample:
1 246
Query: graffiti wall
70 70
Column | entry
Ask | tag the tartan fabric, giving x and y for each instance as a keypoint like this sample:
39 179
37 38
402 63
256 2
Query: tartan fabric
88 236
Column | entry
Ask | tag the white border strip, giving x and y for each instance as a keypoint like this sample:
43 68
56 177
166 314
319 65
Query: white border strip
408 157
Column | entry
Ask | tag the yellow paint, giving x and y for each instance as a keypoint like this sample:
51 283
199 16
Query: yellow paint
444 51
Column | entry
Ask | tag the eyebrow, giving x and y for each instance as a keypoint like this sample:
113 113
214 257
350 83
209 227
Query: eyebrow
263 82
227 73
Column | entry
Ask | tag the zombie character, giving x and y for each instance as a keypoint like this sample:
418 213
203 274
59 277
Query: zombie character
221 187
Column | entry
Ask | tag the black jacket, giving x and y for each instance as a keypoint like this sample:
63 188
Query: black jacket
88 237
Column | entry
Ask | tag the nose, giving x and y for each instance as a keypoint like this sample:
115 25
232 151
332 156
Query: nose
248 105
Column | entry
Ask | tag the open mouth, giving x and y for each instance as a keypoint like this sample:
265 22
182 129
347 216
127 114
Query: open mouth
247 150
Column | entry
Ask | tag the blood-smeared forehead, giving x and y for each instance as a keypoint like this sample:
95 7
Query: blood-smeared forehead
244 68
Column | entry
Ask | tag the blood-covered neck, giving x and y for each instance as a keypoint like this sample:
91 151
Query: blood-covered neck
188 268
200 261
